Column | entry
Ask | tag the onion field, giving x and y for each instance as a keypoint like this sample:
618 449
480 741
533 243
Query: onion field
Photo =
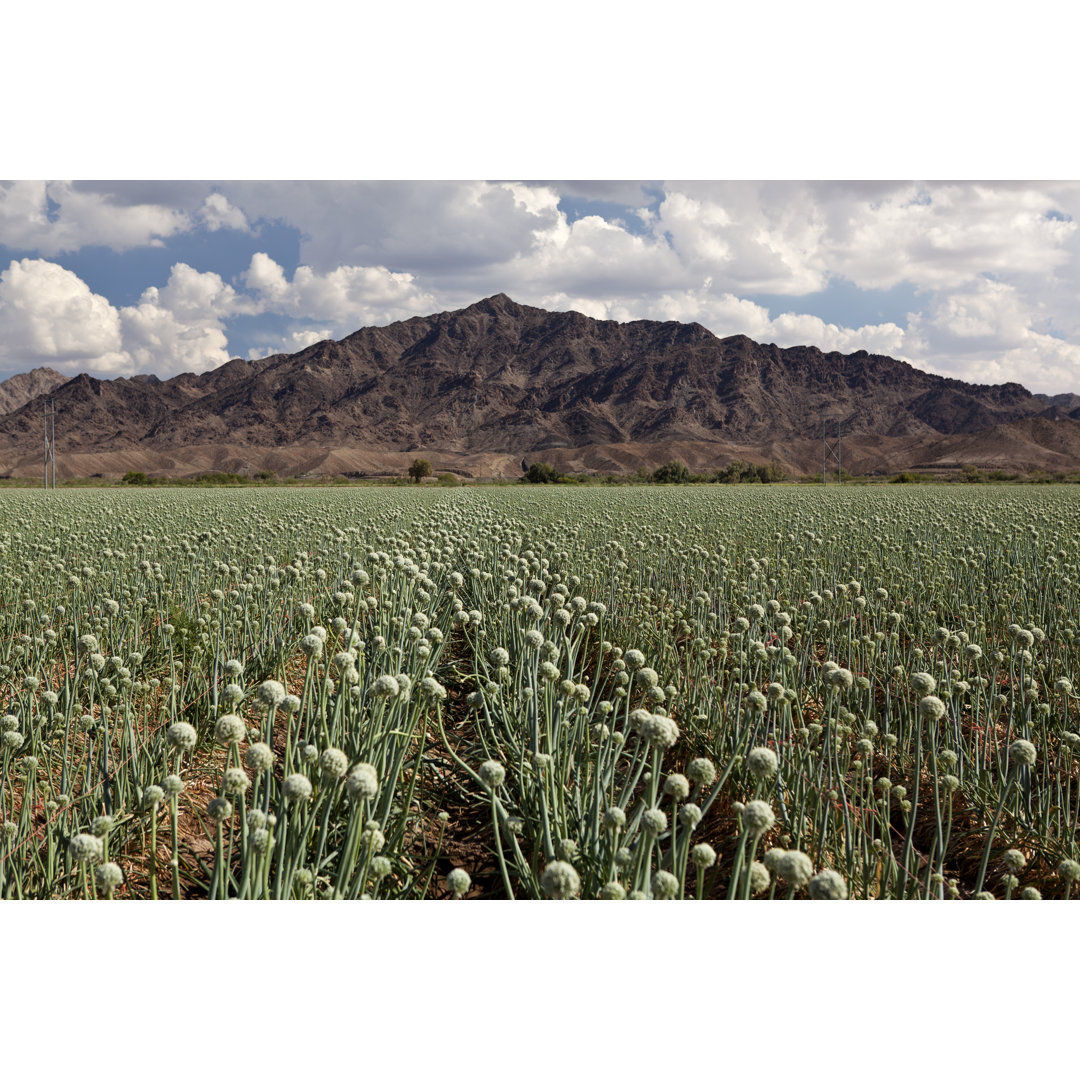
713 692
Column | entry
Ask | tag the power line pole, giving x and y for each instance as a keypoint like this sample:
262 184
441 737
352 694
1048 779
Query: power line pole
831 450
50 441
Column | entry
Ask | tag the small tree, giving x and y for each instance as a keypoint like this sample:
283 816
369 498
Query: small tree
419 469
674 472
540 472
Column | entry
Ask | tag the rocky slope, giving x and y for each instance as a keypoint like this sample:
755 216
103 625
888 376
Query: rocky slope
27 385
500 378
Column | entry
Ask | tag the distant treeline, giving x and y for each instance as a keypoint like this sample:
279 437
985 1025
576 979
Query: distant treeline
674 472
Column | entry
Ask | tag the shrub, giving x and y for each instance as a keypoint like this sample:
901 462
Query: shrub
539 472
419 469
674 472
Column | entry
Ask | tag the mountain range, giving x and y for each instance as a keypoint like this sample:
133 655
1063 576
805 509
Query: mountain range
481 389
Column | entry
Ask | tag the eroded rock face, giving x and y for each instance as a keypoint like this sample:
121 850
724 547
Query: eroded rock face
19 389
502 378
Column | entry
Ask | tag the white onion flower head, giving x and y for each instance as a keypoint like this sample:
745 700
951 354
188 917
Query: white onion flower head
259 757
703 856
647 677
758 817
85 847
690 815
343 661
634 658
458 882
333 764
1015 860
1069 871
492 774
654 821
612 890
923 683
794 867
386 686
760 878
931 708
152 796
1022 752
431 689
219 809
172 785
701 771
363 782
102 825
659 730
270 693
182 735
677 786
560 881
236 781
614 818
230 729
665 885
373 837
297 787
108 876
761 761
827 885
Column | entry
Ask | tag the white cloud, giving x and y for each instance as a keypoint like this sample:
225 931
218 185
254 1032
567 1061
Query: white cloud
426 227
986 333
51 218
217 212
156 340
290 343
349 297
48 315
994 268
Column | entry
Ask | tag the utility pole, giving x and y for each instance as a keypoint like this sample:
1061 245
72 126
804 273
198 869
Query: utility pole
50 441
831 450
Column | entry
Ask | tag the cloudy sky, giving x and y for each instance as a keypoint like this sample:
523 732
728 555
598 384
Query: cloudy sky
977 280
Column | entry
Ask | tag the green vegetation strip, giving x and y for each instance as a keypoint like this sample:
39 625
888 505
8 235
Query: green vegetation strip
643 692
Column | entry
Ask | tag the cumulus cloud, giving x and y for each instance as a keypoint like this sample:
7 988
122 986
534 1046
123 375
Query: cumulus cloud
217 212
427 227
290 343
54 217
994 268
349 297
986 333
48 315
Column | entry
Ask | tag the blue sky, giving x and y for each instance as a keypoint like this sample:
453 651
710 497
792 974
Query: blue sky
975 280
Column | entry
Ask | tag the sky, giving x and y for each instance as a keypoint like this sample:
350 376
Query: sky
977 280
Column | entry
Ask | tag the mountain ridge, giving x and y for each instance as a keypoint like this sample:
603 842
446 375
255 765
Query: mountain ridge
499 377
